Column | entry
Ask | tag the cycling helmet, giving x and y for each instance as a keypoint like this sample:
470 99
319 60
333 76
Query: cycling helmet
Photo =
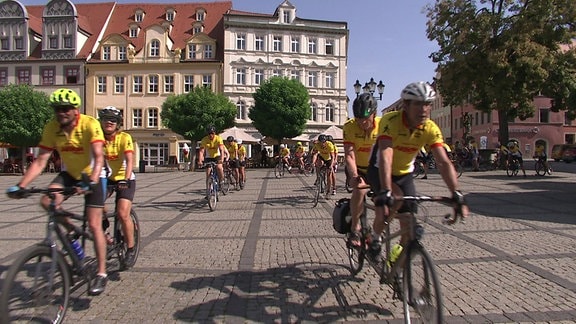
211 129
230 139
418 91
239 141
299 144
65 97
329 138
364 105
322 138
111 112
282 146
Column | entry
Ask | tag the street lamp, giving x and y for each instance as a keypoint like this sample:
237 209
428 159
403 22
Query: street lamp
370 87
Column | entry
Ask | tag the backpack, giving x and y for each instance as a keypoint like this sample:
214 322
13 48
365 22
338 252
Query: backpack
341 217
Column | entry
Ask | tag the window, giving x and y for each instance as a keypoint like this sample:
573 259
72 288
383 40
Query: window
192 51
314 114
137 84
259 43
277 44
197 29
544 115
170 15
5 44
188 83
53 42
152 117
295 44
240 76
329 113
23 76
277 73
240 110
153 84
200 15
295 75
18 43
329 47
258 76
241 42
207 81
168 83
139 16
101 88
67 39
207 51
312 46
48 75
121 53
155 48
3 77
119 84
330 79
137 118
286 16
106 53
313 79
72 75
133 32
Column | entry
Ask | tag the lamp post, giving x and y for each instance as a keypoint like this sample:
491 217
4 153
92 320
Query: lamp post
370 87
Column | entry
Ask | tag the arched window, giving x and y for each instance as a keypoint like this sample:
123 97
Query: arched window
330 112
240 110
314 114
155 48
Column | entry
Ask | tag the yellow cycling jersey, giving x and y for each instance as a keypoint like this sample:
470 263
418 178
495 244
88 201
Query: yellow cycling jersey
299 151
360 140
285 152
75 149
406 142
115 151
232 149
211 146
325 150
540 151
241 152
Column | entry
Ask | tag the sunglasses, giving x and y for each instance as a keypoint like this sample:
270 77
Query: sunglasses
109 120
63 109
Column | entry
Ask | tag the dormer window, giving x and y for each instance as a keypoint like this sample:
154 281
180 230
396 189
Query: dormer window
133 32
286 17
197 28
200 15
170 13
139 16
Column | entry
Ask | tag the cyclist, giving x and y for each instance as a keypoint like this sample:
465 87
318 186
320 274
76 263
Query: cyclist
212 150
540 154
327 153
330 139
242 163
119 155
299 155
233 162
285 156
475 154
401 134
359 138
79 140
515 152
423 157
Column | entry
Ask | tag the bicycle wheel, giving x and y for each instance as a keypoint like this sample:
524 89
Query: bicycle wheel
307 169
212 194
121 242
418 169
278 170
510 170
421 292
225 185
318 188
540 169
459 169
356 253
32 292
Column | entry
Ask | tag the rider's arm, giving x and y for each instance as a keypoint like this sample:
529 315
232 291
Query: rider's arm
201 155
36 168
350 160
98 156
129 156
385 154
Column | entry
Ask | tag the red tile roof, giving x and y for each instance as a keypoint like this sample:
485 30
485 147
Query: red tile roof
154 14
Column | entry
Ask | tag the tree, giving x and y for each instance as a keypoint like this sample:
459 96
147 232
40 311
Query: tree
189 114
23 114
281 108
499 54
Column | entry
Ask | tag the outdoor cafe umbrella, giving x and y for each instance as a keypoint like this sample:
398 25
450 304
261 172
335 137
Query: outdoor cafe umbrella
238 133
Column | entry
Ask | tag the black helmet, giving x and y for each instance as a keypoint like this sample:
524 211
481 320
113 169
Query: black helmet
329 138
321 138
210 129
230 138
364 105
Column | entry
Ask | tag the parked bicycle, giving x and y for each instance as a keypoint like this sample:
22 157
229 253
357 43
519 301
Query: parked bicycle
410 271
38 284
542 167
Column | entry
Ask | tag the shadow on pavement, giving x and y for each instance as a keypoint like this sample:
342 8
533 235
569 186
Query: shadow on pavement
294 293
292 201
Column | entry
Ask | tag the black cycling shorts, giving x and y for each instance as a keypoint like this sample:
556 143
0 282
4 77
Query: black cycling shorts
127 193
404 182
94 199
234 164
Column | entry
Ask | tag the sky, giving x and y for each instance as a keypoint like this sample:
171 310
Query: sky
387 39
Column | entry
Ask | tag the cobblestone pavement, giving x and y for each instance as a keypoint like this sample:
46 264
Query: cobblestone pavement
266 256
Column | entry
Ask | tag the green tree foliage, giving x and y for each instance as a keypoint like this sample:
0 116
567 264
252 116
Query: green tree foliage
281 108
189 114
23 114
499 54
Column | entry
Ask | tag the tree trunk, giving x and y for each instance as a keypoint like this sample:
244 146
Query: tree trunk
503 135
23 163
193 156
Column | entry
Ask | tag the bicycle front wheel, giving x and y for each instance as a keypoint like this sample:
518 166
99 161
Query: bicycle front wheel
540 169
278 170
422 295
212 194
36 288
122 244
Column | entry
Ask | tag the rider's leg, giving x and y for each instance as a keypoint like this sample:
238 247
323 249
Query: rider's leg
123 207
220 170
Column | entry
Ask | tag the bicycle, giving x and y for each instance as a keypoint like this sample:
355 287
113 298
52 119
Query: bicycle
320 184
38 284
280 168
212 187
541 167
513 166
411 275
228 179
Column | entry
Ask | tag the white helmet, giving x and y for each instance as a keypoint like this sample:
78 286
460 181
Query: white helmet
282 146
418 91
239 141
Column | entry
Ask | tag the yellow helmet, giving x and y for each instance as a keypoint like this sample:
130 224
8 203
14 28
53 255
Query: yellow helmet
65 97
299 144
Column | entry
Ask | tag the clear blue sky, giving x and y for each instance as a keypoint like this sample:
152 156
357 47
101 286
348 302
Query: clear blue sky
387 38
